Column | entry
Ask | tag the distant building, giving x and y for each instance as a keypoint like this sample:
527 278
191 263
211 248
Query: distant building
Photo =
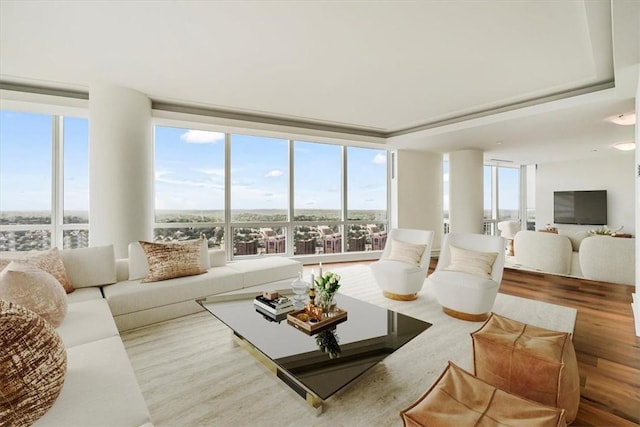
378 238
332 244
276 244
306 247
249 247
356 244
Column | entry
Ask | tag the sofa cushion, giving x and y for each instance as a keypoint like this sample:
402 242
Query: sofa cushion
266 270
133 295
139 265
87 321
100 389
34 289
84 294
546 252
471 262
33 362
168 261
609 259
49 261
93 266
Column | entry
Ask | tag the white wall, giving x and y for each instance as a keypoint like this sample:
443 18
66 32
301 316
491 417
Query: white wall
614 174
416 192
466 191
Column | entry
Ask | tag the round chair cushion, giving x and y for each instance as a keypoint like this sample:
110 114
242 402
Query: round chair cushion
33 364
34 289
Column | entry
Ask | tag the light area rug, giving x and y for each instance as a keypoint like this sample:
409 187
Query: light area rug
191 375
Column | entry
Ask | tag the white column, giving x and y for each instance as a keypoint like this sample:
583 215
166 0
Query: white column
466 198
120 167
416 192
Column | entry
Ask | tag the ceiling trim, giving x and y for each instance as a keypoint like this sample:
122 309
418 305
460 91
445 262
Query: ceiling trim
41 90
264 119
608 84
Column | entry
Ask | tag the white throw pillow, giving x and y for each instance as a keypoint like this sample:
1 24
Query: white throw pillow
139 266
471 262
94 266
409 253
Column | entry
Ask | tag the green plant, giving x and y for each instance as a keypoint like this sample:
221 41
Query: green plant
328 284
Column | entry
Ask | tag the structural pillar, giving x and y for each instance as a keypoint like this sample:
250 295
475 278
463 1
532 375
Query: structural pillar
121 203
416 192
466 192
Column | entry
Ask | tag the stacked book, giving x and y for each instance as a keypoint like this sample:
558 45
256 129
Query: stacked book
273 307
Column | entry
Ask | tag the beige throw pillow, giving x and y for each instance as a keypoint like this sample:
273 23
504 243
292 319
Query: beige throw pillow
168 261
409 253
139 266
471 262
34 289
49 261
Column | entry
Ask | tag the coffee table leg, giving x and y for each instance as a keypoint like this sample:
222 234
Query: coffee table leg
311 398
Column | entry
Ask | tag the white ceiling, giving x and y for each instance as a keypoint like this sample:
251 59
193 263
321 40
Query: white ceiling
426 74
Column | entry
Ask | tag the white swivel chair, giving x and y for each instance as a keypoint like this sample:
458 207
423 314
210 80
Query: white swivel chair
468 275
402 269
508 230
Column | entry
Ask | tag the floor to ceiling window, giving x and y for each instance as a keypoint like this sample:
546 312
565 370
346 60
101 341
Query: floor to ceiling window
189 185
282 196
44 191
501 196
259 194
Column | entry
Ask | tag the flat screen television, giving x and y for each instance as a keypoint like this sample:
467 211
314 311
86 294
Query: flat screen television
580 207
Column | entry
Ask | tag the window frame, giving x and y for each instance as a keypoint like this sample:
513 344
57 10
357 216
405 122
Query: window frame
289 225
56 227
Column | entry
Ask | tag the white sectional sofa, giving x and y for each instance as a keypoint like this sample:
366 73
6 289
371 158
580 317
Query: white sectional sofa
576 253
100 387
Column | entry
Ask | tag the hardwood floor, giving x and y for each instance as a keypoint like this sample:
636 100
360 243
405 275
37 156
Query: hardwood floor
607 349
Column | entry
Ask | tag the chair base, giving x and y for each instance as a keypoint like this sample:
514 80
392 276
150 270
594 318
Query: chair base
466 316
400 297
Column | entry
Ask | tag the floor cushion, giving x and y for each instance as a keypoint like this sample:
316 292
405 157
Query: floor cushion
458 398
529 361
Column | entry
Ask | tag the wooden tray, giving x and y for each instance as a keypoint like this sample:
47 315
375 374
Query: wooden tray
313 328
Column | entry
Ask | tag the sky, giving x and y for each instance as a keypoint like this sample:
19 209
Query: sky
189 170
190 173
26 162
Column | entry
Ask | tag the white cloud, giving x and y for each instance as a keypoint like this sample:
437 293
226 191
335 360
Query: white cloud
214 172
380 159
274 173
201 137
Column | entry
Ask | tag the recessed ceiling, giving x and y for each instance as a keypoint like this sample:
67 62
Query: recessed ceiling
395 68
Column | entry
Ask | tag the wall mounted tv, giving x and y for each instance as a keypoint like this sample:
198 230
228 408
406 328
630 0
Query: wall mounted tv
580 207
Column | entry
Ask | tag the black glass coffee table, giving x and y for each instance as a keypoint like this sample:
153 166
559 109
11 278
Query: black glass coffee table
316 366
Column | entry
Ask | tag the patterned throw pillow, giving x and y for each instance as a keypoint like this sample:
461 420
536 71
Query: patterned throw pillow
471 262
409 253
168 261
34 289
49 261
33 365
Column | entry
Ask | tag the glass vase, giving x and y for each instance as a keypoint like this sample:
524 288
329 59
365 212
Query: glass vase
327 304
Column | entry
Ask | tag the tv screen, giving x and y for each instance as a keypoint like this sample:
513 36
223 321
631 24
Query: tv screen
580 207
